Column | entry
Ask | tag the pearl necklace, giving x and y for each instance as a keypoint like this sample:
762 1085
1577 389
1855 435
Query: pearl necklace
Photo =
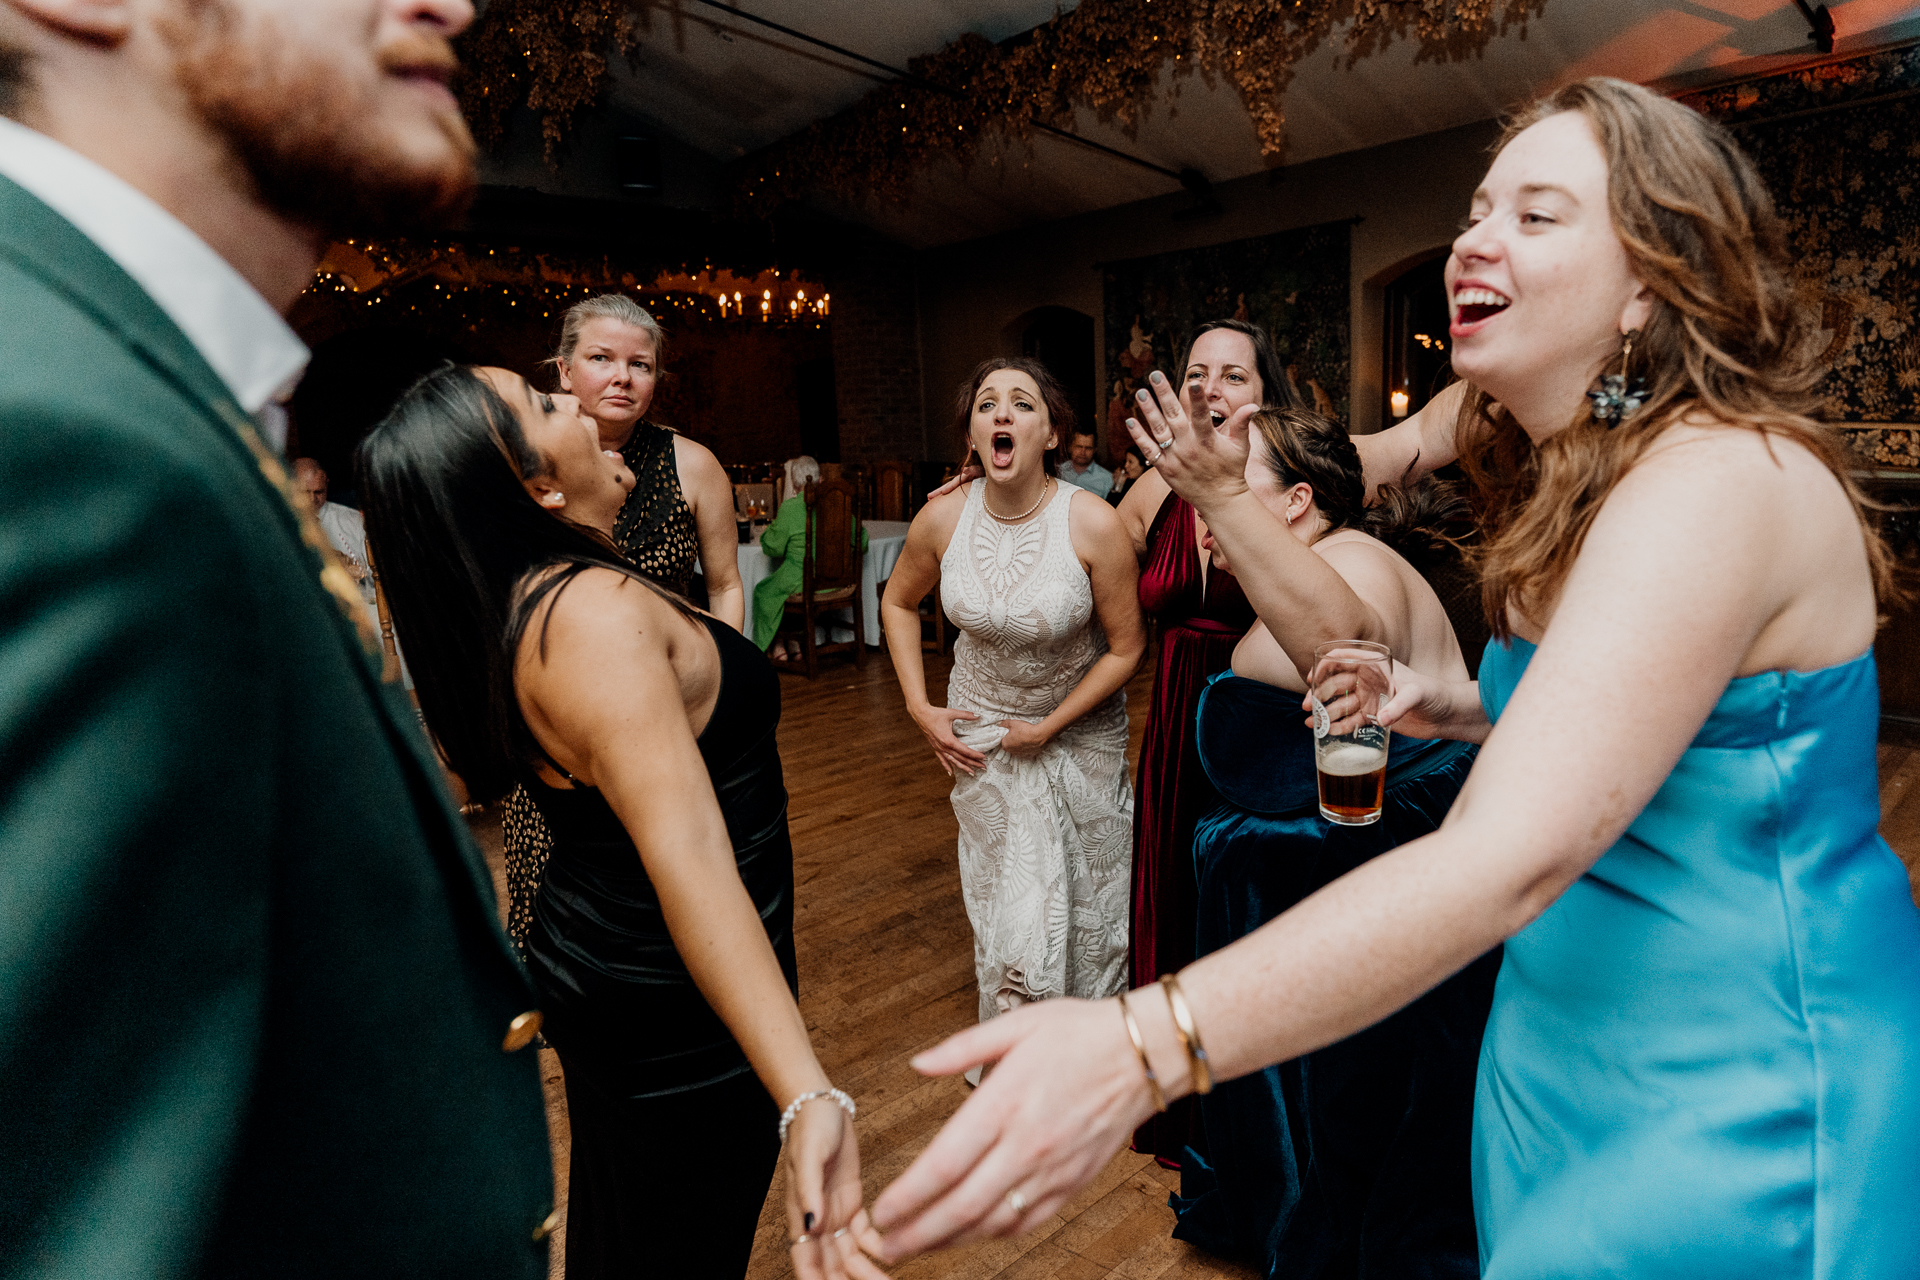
1024 514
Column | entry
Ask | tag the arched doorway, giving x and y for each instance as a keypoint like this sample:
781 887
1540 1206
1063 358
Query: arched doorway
1417 361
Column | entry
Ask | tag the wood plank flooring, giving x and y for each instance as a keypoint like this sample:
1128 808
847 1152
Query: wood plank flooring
886 969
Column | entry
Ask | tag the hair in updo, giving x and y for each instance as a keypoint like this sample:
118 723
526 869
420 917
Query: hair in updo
608 306
1052 394
801 472
1421 522
1728 337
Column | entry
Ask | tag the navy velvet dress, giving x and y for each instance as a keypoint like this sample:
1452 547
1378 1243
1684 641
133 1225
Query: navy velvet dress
1351 1161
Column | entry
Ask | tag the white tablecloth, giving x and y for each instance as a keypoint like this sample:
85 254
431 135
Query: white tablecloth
884 540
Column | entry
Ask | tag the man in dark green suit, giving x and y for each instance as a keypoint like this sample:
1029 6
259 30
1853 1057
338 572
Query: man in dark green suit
259 1019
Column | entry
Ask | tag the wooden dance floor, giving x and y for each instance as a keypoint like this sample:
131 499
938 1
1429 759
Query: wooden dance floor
886 969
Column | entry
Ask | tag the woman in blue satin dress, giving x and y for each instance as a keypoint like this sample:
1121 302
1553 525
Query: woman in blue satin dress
1700 1056
1350 1162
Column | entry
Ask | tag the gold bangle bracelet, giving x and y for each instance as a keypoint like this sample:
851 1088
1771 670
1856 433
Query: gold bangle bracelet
1154 1090
1197 1064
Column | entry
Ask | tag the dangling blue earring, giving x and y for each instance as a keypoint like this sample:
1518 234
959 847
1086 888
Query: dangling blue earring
1616 397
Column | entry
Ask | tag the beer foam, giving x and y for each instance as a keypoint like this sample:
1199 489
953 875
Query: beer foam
1351 759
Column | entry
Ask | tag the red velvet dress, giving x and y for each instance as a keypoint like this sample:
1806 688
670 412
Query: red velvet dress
1199 626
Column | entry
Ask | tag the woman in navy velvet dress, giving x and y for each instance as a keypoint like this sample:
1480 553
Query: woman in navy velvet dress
1350 1161
1704 1034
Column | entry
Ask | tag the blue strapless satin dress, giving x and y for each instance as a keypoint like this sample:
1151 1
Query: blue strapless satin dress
1348 1163
1703 1061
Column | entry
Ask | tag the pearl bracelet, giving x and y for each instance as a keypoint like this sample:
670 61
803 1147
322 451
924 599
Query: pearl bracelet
793 1108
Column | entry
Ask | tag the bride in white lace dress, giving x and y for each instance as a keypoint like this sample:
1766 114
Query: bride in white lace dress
1041 581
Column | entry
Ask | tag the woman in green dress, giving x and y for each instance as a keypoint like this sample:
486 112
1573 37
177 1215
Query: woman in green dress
784 543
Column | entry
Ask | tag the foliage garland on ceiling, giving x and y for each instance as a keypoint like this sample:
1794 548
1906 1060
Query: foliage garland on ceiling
1107 55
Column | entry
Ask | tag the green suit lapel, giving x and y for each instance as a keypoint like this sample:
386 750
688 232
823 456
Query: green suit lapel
44 244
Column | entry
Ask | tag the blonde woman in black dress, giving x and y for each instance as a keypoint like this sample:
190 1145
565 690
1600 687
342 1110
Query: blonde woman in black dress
680 512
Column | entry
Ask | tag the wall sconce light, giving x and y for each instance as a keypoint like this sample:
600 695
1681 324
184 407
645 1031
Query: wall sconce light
1398 401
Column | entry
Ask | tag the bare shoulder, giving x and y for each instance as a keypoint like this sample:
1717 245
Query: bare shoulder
1727 466
598 614
934 523
1377 573
1352 551
1099 535
695 460
1095 518
1141 504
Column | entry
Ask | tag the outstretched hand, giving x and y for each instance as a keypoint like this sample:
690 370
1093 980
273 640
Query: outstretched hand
1064 1098
1203 463
824 1214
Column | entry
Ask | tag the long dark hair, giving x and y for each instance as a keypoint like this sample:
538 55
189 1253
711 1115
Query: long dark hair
1422 522
1276 388
457 538
1052 394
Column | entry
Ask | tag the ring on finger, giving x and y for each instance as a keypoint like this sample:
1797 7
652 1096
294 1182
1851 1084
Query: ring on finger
842 1231
802 1238
1018 1201
1164 444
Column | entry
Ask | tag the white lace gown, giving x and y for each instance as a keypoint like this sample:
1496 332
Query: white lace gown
1046 841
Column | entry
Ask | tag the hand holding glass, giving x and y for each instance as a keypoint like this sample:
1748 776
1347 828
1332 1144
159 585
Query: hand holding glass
1351 681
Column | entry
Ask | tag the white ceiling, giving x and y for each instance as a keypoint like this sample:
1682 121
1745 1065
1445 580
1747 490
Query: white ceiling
727 87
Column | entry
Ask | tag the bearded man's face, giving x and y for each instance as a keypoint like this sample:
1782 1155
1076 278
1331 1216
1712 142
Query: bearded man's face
338 109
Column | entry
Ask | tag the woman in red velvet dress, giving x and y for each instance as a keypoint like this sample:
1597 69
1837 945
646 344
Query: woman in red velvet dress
1202 615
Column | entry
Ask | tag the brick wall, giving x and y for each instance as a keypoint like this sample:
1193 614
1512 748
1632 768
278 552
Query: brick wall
876 356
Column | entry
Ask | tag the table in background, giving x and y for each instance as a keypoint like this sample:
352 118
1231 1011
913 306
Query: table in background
884 540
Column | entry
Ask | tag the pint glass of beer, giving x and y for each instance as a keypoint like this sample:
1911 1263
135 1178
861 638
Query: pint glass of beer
1350 745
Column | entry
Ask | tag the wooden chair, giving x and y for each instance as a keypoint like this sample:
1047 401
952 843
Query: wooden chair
861 477
892 489
830 571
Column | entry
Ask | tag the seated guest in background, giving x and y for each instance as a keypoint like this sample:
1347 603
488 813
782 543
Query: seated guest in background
785 543
1131 469
1352 1159
1080 468
254 990
344 528
680 511
662 937
1041 585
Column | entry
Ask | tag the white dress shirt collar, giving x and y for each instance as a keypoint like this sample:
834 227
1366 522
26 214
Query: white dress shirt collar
239 334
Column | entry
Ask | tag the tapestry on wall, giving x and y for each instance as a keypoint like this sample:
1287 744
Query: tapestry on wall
1293 284
1839 146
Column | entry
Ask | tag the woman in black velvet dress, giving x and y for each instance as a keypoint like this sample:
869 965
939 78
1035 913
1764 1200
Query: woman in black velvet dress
662 940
